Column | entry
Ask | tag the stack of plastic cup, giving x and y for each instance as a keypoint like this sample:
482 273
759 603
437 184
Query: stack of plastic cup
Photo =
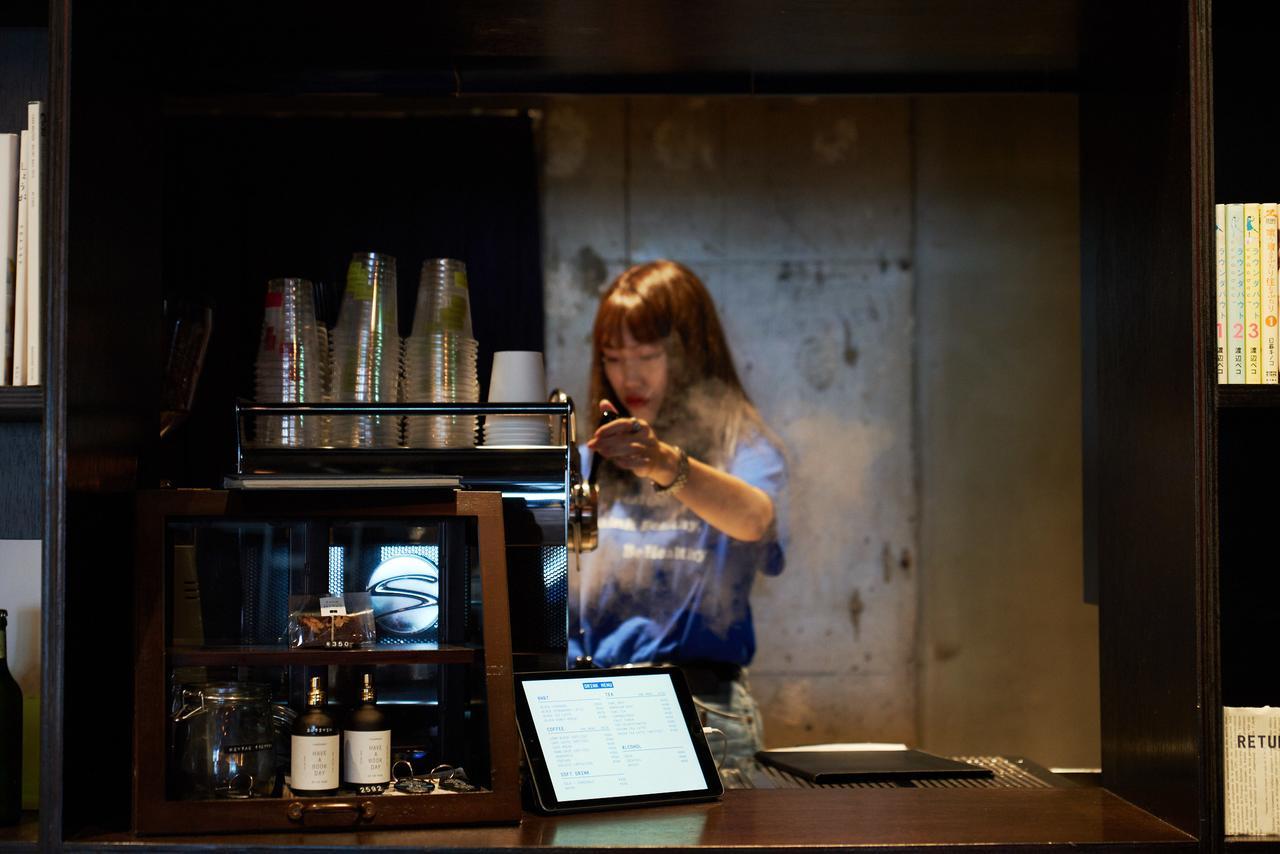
325 359
288 368
440 357
443 289
366 353
517 377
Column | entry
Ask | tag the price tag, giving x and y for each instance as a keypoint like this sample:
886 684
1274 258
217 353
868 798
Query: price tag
333 606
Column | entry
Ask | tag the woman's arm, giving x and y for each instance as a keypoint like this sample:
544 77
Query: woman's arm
723 501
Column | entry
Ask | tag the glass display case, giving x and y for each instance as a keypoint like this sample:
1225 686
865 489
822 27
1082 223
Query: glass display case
368 629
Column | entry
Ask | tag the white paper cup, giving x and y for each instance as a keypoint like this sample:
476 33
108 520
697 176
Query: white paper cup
517 377
517 430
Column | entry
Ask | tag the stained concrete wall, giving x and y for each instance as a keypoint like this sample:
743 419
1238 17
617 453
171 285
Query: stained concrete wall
1009 652
802 216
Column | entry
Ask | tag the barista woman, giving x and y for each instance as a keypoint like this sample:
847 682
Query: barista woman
691 498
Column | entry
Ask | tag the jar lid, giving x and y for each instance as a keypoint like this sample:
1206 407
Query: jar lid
228 692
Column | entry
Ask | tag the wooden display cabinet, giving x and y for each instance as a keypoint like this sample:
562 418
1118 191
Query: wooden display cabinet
249 551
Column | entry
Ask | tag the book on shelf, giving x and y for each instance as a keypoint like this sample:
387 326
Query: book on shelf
36 127
19 361
1220 281
1251 770
21 179
8 248
1247 292
1267 218
1252 296
1235 293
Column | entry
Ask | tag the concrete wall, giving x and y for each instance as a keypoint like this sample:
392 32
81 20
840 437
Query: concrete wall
1009 653
803 216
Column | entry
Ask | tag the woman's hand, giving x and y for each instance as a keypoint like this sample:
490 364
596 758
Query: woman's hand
632 444
723 501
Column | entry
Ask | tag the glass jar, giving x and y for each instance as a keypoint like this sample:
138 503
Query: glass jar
224 740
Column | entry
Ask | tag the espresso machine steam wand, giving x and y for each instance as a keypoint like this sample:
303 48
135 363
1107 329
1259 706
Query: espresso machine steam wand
584 535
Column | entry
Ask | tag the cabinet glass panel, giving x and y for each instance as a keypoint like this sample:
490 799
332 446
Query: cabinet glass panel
262 613
230 581
321 583
231 727
398 565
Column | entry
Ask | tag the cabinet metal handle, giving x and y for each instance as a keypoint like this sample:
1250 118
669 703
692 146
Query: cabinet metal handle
365 810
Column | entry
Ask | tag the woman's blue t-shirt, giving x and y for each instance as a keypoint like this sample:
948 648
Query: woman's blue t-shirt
666 586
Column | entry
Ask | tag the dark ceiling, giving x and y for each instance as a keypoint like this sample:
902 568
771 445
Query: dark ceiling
473 46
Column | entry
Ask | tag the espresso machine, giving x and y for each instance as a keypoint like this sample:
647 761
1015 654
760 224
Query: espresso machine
549 509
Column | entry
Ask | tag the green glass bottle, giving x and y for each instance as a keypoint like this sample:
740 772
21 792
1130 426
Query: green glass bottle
10 734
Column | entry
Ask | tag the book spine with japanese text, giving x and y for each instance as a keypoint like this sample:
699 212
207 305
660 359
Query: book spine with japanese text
1235 293
1252 296
1220 281
1267 214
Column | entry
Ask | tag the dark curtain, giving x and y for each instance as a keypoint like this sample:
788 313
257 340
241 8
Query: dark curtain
251 199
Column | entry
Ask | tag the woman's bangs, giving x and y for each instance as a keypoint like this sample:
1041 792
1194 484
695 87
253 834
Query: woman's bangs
640 318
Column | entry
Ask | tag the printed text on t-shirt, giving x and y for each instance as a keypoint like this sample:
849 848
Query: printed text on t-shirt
624 523
652 552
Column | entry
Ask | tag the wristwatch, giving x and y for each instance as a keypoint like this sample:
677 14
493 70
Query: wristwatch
682 475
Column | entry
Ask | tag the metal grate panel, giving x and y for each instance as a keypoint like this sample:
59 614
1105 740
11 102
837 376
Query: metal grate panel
555 581
1010 773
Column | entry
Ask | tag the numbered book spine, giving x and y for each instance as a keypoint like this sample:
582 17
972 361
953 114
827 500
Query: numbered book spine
1235 294
35 240
1220 279
1252 296
1267 216
8 248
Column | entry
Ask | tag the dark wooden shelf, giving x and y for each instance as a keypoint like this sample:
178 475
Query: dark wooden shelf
23 836
1246 396
21 403
1255 843
503 46
24 14
275 655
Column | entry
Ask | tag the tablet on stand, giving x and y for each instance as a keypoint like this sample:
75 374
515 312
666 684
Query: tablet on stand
613 738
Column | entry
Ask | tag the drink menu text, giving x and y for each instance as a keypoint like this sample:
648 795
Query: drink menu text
613 736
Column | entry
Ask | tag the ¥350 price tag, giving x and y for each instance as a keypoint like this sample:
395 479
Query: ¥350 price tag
333 606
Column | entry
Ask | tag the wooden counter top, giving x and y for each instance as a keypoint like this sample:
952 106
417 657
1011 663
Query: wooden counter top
1001 820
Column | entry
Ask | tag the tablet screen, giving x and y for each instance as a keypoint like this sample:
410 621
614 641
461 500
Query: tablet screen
606 736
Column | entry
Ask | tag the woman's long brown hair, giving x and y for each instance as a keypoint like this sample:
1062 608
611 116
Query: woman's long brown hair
663 301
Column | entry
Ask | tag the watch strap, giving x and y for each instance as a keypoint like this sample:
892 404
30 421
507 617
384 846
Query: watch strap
682 475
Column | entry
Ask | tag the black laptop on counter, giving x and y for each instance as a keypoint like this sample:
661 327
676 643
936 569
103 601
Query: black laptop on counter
850 766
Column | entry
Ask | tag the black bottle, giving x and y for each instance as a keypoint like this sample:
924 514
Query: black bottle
315 747
10 735
366 744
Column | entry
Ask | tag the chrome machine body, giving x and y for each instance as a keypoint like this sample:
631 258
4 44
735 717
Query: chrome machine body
549 510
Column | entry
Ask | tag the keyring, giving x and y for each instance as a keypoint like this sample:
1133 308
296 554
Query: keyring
241 786
407 783
452 779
